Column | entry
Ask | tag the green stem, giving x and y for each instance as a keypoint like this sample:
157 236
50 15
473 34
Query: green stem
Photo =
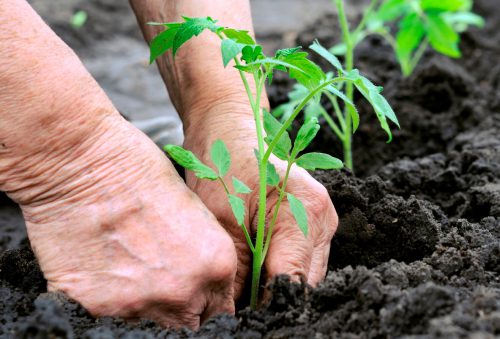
366 16
418 55
349 62
277 207
261 221
332 124
336 109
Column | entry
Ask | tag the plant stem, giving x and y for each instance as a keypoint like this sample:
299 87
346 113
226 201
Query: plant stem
261 221
349 62
417 56
366 16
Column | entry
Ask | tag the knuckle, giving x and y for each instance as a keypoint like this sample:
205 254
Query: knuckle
222 264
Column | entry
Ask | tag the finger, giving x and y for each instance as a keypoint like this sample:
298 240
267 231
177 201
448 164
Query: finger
290 252
325 228
319 265
218 303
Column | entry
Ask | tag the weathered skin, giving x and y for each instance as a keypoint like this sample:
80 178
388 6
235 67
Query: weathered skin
110 221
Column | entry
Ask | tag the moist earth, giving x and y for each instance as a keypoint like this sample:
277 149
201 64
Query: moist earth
417 251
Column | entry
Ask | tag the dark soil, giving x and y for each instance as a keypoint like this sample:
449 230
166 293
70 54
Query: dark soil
417 252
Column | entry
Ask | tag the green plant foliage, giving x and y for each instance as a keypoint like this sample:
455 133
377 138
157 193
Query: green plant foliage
190 162
273 178
306 134
272 127
220 157
299 212
420 23
314 161
79 19
240 187
238 207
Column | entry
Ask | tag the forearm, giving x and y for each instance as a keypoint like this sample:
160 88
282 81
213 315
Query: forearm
48 102
197 80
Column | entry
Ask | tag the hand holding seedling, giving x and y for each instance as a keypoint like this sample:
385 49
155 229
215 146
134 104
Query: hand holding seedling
265 202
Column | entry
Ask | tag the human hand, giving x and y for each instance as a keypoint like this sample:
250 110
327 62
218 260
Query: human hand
290 252
115 228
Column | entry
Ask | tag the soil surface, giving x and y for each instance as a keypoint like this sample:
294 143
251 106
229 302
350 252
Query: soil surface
417 252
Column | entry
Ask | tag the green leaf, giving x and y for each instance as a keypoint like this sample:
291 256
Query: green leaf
79 19
273 62
273 179
461 20
238 207
240 36
410 35
272 127
305 135
372 93
442 37
443 5
392 9
240 187
299 212
286 52
220 157
162 43
190 162
230 49
190 28
314 161
327 55
251 53
304 71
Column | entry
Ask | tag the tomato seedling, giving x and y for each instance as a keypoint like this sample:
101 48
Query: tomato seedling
250 61
411 26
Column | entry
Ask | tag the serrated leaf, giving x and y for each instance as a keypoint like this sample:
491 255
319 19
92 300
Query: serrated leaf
190 162
327 55
240 187
230 49
238 207
272 127
162 43
299 212
372 93
313 161
304 70
240 36
273 178
305 135
442 37
410 35
190 28
220 157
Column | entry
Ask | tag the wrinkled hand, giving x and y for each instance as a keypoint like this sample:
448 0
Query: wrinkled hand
115 228
290 251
